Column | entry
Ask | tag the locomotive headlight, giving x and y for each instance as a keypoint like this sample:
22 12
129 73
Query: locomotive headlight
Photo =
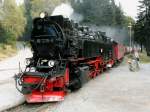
51 63
42 15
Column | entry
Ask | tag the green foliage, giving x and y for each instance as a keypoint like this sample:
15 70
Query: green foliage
100 12
13 22
128 20
142 26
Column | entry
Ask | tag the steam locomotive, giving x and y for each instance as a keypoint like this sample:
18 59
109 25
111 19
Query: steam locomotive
65 57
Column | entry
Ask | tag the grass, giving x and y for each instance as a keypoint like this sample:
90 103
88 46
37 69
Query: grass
143 57
6 51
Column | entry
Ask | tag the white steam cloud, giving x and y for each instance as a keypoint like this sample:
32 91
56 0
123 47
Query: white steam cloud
76 17
118 34
64 9
67 11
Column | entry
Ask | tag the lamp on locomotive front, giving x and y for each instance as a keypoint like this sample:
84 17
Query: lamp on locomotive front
43 15
51 63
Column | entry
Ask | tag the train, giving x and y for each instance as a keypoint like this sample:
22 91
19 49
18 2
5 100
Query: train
66 55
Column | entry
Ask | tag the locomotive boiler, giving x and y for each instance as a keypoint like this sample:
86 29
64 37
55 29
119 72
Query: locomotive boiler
65 56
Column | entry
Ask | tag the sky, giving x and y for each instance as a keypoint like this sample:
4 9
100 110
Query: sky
19 2
130 7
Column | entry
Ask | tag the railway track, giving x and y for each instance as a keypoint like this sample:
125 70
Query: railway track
40 107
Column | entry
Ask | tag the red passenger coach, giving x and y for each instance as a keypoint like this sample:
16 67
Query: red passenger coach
119 51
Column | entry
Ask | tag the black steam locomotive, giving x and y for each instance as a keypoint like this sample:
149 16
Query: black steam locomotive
56 38
65 56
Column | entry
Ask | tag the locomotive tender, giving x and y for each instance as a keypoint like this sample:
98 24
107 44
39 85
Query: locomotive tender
65 56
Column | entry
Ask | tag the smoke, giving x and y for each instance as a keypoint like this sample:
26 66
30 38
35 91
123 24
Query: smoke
66 10
76 17
120 35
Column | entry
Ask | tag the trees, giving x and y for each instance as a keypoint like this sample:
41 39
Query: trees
100 12
142 26
13 22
